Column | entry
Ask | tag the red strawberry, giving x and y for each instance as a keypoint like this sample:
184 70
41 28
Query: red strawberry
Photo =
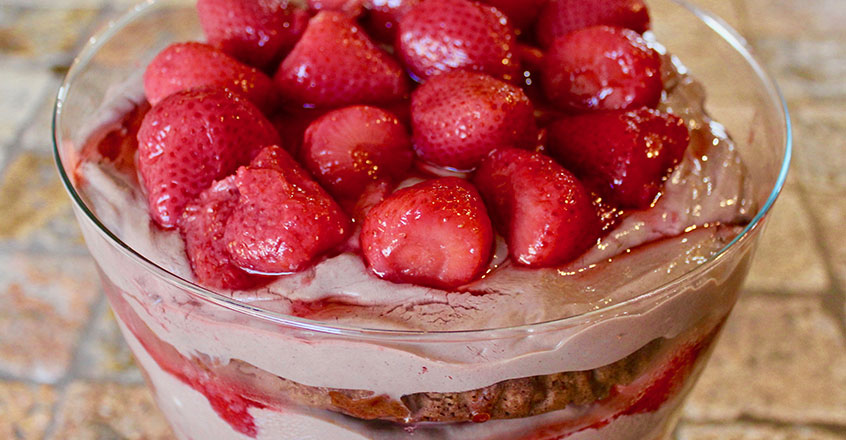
458 117
384 15
521 14
436 233
184 66
258 33
292 124
191 139
560 17
335 64
350 8
202 226
348 149
602 68
622 155
439 36
283 219
542 210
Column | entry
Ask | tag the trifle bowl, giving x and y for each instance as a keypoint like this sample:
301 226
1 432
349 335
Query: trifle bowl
604 346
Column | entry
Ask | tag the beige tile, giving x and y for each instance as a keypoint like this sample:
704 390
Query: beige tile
21 90
104 354
110 411
795 18
36 209
38 134
787 259
820 159
780 358
754 432
46 303
806 69
42 33
829 207
25 410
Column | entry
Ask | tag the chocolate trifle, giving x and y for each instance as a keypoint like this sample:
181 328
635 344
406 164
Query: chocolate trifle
423 219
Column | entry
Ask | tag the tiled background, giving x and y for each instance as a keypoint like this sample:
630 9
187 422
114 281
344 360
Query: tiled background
779 372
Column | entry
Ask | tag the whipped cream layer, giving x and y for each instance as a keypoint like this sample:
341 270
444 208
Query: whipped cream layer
704 204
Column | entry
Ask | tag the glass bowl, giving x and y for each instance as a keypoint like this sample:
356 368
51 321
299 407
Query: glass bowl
224 368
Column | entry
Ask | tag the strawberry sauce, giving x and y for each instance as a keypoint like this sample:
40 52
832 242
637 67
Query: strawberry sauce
229 400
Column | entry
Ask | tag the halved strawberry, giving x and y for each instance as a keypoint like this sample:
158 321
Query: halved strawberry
439 36
458 117
184 66
192 138
350 148
622 155
542 210
436 233
292 124
560 17
283 219
601 68
335 64
202 225
258 33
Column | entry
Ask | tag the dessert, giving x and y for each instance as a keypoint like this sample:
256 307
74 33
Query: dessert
425 256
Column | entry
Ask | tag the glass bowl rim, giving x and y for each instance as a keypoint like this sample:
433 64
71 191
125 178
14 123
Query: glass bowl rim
716 24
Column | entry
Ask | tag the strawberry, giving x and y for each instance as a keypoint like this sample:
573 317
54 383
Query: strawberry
542 210
184 66
383 17
283 220
560 17
601 68
348 149
350 8
458 117
439 36
623 155
192 138
521 14
335 64
292 124
436 233
202 225
258 33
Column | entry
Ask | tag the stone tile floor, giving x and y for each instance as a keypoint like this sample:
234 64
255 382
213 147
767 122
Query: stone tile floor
779 371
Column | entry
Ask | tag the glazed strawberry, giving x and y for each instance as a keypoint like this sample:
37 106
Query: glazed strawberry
335 64
383 17
292 124
184 66
283 220
436 233
601 68
439 36
258 33
350 8
560 17
458 117
542 210
191 139
521 14
621 155
202 226
348 149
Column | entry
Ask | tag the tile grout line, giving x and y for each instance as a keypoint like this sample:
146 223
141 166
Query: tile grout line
834 299
73 371
90 326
